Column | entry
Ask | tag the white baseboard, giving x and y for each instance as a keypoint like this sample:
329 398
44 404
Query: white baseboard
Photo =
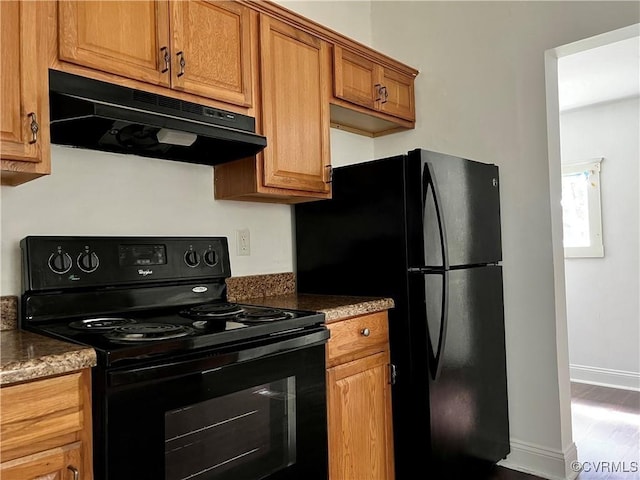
605 377
541 461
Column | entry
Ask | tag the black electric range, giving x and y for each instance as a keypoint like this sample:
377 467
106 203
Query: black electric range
136 298
187 384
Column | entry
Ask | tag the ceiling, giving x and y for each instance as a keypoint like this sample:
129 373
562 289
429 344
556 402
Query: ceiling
601 74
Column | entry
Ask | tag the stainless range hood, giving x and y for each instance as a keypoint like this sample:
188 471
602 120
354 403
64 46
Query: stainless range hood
91 114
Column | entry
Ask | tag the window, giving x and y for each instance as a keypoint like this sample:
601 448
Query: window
582 220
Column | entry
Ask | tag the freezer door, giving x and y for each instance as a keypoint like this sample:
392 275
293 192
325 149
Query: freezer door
464 337
460 211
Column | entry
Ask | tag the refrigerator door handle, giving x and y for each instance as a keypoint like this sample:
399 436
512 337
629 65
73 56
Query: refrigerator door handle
436 364
429 184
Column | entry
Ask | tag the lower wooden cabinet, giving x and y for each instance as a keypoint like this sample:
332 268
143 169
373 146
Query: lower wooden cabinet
55 464
46 429
359 399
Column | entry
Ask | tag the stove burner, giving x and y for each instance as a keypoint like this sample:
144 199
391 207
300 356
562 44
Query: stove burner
148 332
100 324
212 310
263 315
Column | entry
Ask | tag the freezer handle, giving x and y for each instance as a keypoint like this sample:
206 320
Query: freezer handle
428 183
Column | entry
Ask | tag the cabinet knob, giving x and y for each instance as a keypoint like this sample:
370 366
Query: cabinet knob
378 88
74 471
164 51
384 94
182 62
35 128
365 332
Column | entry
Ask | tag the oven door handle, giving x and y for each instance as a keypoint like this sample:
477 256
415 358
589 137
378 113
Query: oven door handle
216 359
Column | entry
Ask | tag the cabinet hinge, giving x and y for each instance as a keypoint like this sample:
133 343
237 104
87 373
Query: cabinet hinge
392 374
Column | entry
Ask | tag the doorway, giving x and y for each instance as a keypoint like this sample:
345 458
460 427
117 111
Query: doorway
593 123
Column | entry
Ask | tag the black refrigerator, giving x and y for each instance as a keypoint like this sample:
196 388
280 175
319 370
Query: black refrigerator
424 229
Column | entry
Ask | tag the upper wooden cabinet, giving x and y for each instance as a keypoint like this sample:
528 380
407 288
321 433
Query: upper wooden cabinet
254 57
295 108
312 78
294 116
388 94
397 97
124 38
199 47
24 110
355 78
215 41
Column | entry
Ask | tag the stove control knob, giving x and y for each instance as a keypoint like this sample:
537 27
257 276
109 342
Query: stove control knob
60 262
191 258
210 257
88 261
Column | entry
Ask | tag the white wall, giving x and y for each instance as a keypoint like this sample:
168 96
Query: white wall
350 18
481 94
603 308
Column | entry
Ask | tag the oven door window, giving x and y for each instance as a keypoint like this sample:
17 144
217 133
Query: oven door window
245 434
263 418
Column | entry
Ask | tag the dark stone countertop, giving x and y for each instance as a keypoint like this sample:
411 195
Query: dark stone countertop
29 356
335 307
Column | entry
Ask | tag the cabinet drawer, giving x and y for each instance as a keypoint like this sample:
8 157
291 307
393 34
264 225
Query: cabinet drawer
40 411
55 464
357 337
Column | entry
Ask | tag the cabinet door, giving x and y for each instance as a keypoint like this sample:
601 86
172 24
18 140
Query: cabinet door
213 42
363 82
359 413
354 78
399 97
295 107
20 98
56 464
128 38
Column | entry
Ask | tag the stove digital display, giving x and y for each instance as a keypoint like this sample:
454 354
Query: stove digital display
142 255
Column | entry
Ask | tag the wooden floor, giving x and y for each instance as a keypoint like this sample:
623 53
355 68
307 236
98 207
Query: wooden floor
472 473
606 428
501 473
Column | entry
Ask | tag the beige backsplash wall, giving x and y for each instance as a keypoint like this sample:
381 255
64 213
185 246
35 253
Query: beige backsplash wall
97 193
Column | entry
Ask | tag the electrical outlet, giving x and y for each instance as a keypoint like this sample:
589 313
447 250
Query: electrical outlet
243 242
